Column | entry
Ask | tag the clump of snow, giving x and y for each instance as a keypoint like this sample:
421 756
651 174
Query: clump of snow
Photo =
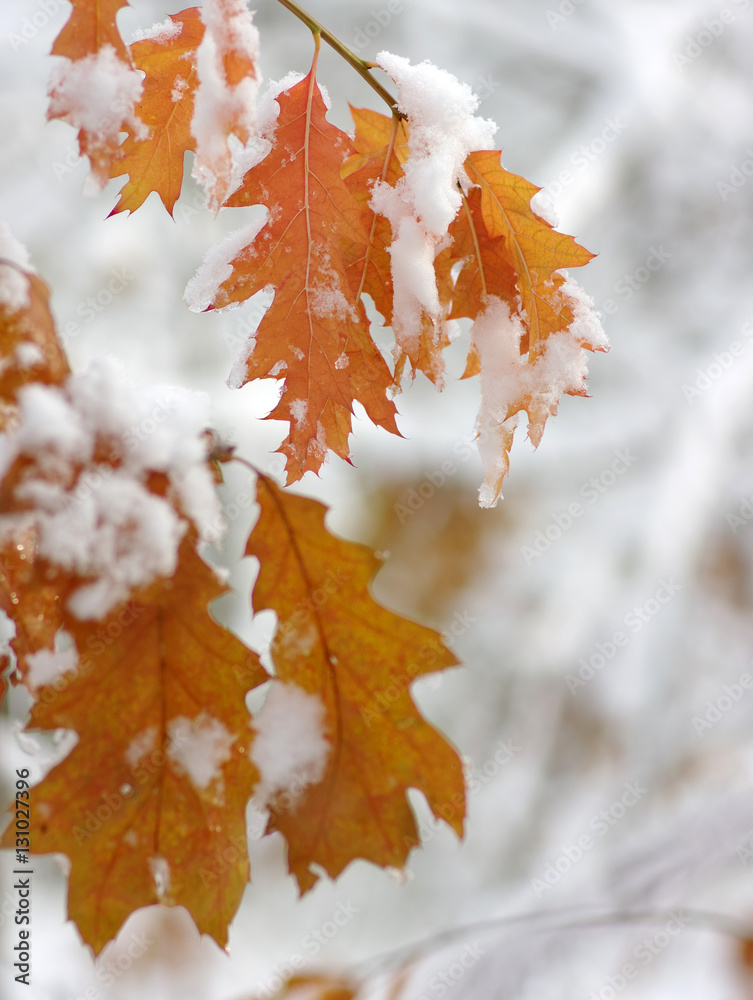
98 94
47 665
162 32
260 144
160 869
14 286
423 203
222 107
203 289
586 325
199 747
29 355
543 206
290 747
507 378
298 410
141 744
93 444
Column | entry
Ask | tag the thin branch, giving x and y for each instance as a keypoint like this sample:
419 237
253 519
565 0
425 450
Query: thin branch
361 67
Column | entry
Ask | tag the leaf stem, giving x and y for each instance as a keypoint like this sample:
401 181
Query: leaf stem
361 67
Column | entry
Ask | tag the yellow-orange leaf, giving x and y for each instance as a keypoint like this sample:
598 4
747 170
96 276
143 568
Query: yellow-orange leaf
166 108
91 44
150 805
335 641
531 246
381 142
90 26
29 346
315 334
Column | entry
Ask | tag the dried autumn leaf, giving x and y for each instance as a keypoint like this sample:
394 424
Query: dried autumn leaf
381 142
335 641
29 345
152 808
95 87
509 285
91 26
532 248
315 334
30 352
166 108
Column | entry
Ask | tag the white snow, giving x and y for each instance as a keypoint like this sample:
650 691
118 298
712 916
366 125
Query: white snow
298 410
423 203
160 869
141 744
98 94
290 746
216 267
507 378
46 665
29 355
199 747
14 286
222 108
261 142
161 32
542 205
99 519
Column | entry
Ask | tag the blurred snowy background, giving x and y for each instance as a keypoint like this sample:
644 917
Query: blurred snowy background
602 610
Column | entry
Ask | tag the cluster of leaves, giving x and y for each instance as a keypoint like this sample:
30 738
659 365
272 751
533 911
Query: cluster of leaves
154 658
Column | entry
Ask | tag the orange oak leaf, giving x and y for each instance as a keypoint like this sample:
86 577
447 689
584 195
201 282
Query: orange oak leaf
381 142
30 352
150 804
95 87
335 641
166 108
315 334
531 246
509 284
90 26
29 345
